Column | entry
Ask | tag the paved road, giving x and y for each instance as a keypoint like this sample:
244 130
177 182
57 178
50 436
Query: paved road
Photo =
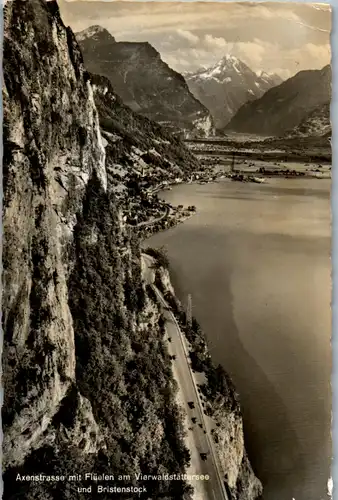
150 222
199 440
153 221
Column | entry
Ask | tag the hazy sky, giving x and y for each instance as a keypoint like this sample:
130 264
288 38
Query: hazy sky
275 37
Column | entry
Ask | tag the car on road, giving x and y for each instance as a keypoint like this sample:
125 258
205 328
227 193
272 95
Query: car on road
191 405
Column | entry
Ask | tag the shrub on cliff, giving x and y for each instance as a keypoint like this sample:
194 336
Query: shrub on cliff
130 398
160 255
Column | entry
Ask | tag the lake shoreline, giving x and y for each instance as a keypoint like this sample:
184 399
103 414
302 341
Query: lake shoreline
184 277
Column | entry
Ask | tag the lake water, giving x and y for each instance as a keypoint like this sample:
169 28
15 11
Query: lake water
256 260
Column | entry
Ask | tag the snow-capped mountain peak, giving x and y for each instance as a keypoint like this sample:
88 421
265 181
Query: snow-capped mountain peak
227 85
227 64
93 32
269 76
229 59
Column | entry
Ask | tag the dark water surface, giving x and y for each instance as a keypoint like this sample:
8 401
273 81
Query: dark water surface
256 259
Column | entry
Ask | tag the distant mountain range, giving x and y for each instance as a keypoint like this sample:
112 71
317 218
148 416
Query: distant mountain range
226 86
144 82
286 106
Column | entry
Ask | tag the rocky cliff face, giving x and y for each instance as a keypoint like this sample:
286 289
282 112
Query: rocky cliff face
315 124
285 106
135 144
226 86
75 311
52 146
144 82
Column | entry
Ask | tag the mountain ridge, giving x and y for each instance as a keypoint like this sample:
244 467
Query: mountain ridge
145 82
316 124
283 107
